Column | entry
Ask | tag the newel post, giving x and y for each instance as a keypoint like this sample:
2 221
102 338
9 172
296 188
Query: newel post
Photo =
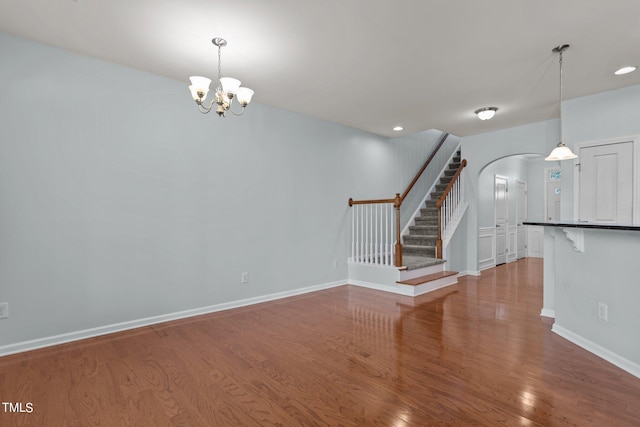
439 239
396 204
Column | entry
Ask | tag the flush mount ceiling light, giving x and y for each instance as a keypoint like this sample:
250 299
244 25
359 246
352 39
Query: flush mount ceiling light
625 70
228 89
561 152
486 113
398 128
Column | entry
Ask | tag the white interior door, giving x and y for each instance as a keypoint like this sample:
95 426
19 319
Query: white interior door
502 218
606 183
521 215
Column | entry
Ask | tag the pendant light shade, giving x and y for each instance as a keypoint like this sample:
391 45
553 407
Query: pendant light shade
561 152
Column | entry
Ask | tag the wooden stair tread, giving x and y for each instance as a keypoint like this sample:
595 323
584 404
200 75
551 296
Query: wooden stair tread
428 278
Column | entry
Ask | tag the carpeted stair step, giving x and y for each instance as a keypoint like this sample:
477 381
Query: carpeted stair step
441 187
450 172
427 251
454 166
430 204
419 240
426 222
416 262
428 212
423 230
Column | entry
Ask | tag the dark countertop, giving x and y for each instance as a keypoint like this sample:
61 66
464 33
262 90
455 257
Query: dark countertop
581 224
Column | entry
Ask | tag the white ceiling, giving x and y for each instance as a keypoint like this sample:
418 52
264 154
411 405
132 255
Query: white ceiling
369 64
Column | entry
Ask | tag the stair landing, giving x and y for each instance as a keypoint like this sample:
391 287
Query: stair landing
428 278
426 275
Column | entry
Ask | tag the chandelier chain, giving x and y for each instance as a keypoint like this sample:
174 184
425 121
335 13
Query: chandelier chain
219 62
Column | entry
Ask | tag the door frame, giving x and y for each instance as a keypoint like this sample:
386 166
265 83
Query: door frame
520 228
635 143
495 217
547 180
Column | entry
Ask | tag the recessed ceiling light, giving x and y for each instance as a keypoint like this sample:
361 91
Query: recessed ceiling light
398 128
486 113
625 70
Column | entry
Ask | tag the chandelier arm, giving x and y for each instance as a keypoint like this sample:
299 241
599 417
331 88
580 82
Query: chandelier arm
237 114
203 109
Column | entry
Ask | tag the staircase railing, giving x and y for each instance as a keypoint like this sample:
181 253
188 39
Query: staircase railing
373 224
448 206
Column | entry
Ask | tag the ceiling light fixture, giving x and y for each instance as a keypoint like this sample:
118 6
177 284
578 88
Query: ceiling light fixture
486 113
228 88
625 70
561 152
398 128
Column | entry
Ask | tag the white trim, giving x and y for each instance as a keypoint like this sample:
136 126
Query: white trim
547 312
497 177
635 142
606 354
490 261
408 290
35 344
512 240
469 273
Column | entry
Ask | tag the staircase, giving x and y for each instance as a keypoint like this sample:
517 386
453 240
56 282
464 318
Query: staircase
410 264
419 248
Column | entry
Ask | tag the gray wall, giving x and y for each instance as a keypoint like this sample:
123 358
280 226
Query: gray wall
597 275
119 201
607 115
515 169
483 150
597 117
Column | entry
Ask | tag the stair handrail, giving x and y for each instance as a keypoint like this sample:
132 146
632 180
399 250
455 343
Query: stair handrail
441 200
424 167
398 199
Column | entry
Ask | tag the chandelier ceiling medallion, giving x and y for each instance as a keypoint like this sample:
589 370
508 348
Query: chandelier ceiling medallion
228 88
561 152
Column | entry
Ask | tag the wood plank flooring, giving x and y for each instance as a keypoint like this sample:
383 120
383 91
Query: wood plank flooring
473 354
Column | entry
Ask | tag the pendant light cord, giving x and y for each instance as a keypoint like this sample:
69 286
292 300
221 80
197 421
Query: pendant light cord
561 138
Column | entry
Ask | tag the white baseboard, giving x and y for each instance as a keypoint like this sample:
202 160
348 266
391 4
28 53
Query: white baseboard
547 312
606 354
20 347
469 273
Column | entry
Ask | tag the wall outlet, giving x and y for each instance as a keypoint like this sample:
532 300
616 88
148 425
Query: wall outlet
4 310
244 277
603 311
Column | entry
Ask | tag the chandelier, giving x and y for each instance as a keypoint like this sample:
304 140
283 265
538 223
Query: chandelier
228 89
561 152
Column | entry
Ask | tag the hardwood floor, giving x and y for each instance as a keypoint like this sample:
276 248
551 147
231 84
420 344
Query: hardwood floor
472 354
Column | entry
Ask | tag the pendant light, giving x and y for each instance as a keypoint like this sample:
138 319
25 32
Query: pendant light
561 152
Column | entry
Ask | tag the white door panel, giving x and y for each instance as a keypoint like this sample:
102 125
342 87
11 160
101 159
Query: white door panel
502 222
606 183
